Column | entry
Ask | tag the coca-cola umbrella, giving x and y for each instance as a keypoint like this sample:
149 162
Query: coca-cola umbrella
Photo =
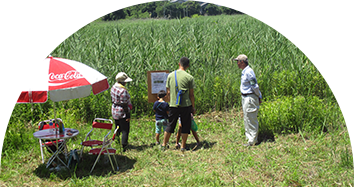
64 80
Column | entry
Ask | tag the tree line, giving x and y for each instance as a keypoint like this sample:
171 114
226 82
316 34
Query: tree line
122 9
34 17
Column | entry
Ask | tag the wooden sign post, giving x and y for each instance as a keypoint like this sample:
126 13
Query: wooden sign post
156 82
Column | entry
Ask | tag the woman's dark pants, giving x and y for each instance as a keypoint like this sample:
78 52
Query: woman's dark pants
124 128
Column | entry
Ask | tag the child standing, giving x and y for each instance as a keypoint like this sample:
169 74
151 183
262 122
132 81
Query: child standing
161 109
194 129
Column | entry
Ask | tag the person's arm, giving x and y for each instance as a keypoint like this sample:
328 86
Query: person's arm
153 107
125 99
168 94
191 97
254 85
256 90
168 109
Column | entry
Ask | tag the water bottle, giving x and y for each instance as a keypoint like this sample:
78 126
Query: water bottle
61 127
51 126
62 124
56 124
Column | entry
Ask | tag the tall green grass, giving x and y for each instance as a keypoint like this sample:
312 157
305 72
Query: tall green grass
138 46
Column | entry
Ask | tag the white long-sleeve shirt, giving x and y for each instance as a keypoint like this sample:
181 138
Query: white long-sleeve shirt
249 82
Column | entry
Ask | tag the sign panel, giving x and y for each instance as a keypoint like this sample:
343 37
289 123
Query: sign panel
156 82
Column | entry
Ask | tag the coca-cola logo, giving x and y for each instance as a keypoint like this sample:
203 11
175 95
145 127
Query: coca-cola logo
69 75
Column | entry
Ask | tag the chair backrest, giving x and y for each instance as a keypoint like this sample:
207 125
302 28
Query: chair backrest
45 124
102 123
102 126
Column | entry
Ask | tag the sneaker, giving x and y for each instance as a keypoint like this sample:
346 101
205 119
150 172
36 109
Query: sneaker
248 144
125 148
183 150
162 148
178 145
157 143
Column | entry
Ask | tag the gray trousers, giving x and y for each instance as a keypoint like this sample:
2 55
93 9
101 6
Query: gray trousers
250 106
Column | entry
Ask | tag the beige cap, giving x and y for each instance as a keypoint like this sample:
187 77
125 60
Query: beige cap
242 58
123 77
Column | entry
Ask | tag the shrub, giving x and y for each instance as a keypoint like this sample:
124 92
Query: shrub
291 114
195 16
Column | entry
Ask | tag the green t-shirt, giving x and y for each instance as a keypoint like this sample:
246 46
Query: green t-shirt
185 82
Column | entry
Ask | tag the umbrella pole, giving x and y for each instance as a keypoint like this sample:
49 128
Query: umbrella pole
54 110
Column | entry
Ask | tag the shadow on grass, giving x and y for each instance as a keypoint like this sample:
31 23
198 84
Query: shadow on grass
265 136
191 146
205 144
140 147
83 168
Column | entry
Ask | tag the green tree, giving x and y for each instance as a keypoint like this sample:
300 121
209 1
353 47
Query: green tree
168 10
191 8
229 11
28 18
212 9
150 8
117 11
134 11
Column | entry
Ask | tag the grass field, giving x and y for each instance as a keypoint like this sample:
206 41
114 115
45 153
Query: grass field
304 139
290 160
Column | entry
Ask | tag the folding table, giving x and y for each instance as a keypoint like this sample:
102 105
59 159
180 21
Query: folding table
54 136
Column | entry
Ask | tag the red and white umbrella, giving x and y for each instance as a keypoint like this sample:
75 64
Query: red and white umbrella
64 80
292 19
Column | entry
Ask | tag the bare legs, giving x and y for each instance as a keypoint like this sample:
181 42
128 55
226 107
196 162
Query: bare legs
178 137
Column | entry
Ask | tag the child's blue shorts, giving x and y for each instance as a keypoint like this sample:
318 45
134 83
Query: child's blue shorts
159 124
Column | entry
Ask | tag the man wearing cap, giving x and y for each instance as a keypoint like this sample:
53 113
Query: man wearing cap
121 107
251 99
182 107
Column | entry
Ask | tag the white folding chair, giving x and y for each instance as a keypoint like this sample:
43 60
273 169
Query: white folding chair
106 149
51 145
99 132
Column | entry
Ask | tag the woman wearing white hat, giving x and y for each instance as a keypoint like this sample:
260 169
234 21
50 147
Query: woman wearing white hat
121 107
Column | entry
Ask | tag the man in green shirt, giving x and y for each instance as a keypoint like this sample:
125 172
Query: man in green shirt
185 106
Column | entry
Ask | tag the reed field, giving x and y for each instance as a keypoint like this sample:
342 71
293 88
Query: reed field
304 139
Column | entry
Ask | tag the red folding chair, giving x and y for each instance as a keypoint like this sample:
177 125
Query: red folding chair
99 132
51 145
106 149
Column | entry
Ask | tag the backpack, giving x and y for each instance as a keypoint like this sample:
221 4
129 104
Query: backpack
179 92
73 158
